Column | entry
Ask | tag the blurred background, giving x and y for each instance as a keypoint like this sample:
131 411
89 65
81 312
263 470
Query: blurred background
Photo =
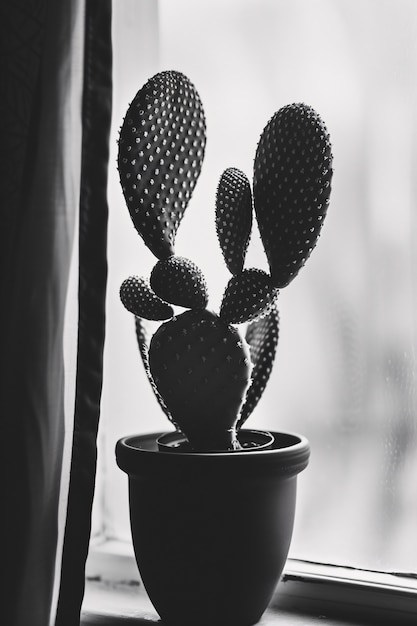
345 372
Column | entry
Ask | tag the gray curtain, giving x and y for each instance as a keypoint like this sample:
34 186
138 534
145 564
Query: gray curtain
54 122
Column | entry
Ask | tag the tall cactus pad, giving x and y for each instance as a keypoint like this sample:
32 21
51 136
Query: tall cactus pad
292 179
262 337
234 217
201 367
161 150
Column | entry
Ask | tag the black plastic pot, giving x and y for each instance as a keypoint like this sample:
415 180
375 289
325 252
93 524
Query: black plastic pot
211 531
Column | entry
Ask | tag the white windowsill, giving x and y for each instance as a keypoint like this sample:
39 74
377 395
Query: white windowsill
307 593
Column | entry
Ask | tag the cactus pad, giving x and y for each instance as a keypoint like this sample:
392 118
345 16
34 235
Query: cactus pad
201 367
138 298
262 337
161 150
248 295
142 335
234 217
292 178
179 281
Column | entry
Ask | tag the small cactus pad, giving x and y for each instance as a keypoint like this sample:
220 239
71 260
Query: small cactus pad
201 367
234 217
262 337
292 180
179 281
139 299
142 335
161 150
248 295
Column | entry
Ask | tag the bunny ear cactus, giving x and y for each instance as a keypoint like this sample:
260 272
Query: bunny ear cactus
206 374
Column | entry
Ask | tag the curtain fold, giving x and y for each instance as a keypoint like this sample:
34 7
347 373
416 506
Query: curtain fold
96 121
55 109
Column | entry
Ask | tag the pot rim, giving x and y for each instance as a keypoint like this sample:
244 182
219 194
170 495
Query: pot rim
288 455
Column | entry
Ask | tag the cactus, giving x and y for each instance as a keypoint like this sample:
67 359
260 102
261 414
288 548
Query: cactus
207 374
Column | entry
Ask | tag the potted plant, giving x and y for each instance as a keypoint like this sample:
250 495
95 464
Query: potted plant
212 504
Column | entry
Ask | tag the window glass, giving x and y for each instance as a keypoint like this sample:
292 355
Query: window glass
345 373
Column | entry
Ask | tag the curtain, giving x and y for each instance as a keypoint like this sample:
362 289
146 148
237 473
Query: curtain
55 76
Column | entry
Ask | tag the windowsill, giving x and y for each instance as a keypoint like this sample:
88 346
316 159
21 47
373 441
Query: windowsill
120 605
307 594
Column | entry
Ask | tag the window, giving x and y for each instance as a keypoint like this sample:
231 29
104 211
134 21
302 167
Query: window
345 373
